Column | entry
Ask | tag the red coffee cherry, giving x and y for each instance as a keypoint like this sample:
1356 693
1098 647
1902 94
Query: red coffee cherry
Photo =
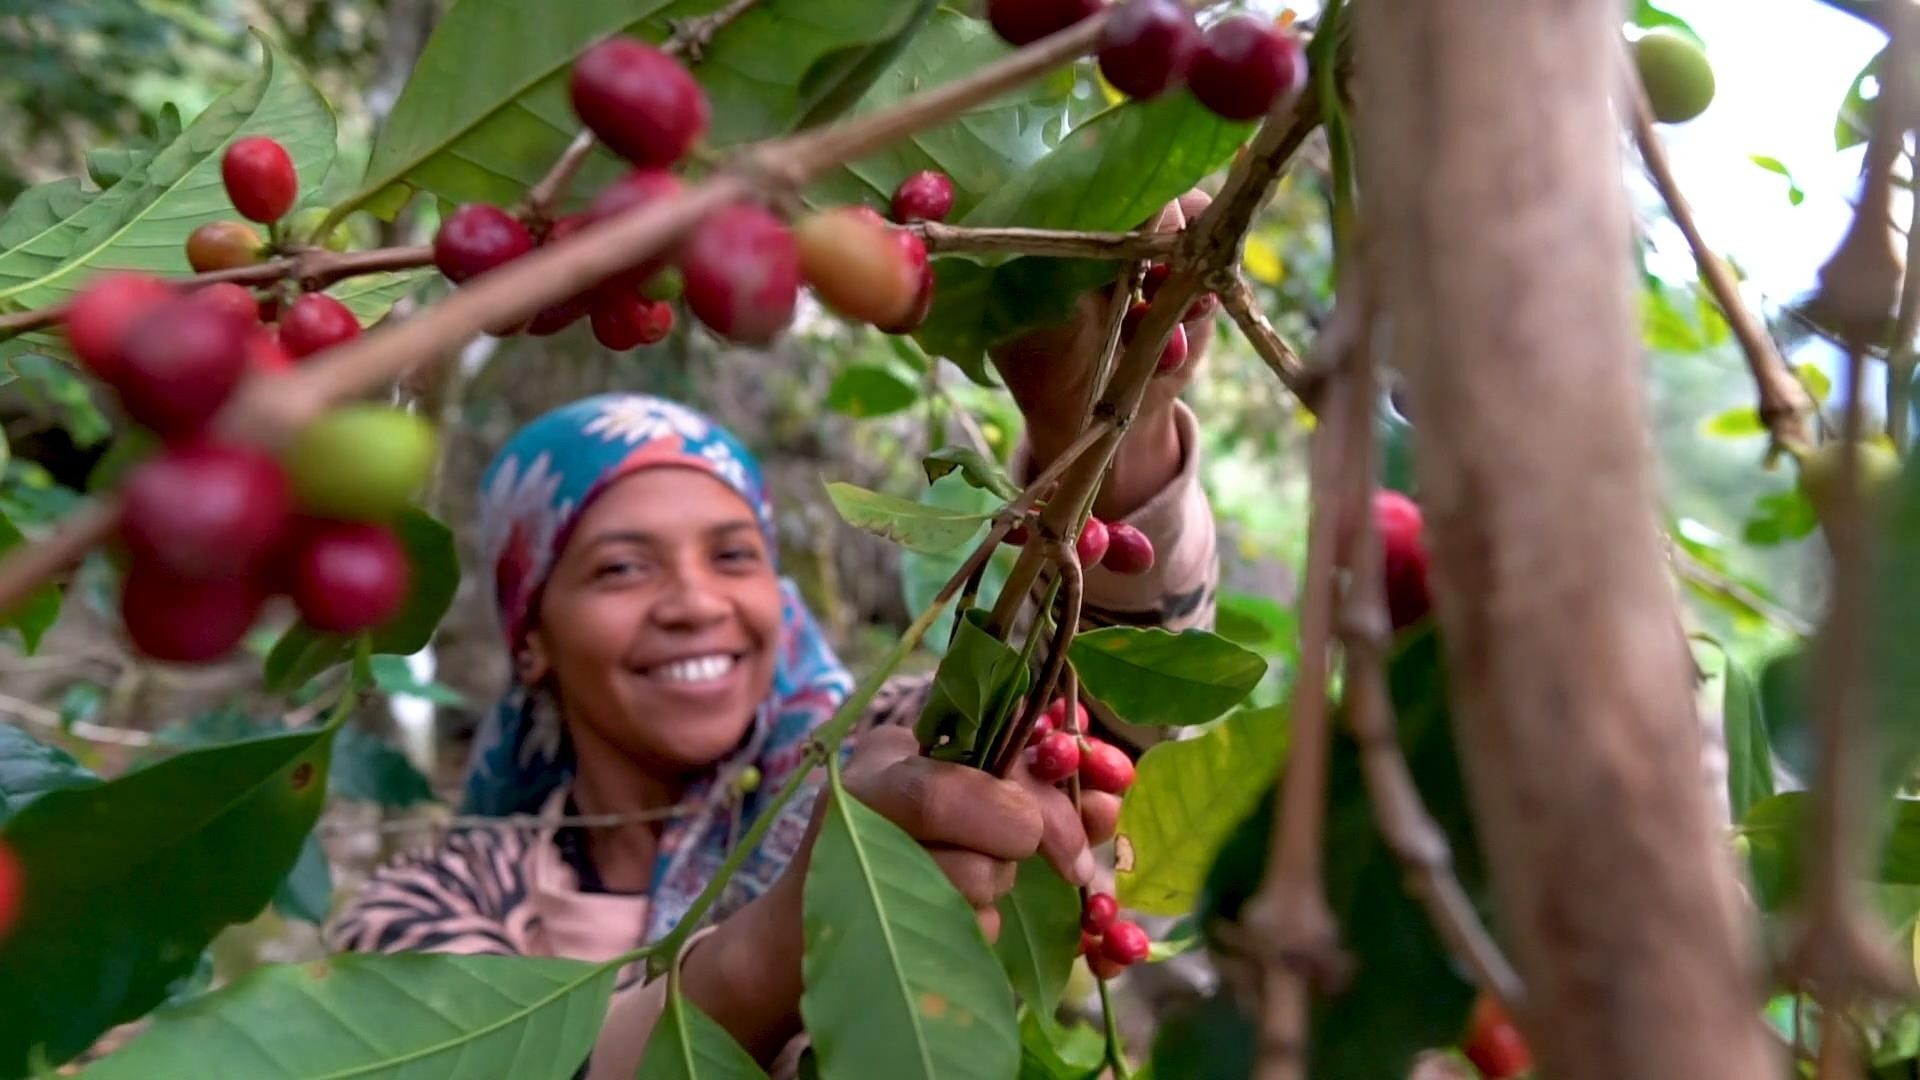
1105 767
1104 967
1125 943
638 188
98 318
1147 45
1100 911
855 266
234 299
639 101
1023 22
264 353
1156 276
476 238
1244 65
1057 712
206 511
1093 542
10 889
1128 550
1089 944
182 621
622 320
925 196
1043 725
348 576
314 322
1404 557
260 178
915 252
181 362
224 245
743 274
1054 758
1493 1044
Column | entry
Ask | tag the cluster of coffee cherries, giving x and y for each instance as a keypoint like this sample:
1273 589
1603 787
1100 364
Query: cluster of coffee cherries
738 271
1238 68
1057 750
1110 944
1118 546
211 528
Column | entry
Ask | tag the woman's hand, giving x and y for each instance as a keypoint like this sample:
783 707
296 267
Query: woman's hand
1048 372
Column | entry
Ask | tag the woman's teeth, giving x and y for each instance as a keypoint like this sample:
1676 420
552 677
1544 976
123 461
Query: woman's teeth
695 669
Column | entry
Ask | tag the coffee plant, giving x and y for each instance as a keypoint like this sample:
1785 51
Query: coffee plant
1472 822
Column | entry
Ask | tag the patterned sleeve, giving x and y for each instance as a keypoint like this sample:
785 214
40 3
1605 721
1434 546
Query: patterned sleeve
464 895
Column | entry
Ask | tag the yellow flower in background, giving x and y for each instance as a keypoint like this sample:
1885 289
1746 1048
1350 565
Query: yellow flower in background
1262 261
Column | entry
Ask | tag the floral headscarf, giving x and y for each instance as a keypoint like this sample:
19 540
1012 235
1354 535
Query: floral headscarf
532 495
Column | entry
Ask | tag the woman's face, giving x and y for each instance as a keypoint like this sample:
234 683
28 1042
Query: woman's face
660 621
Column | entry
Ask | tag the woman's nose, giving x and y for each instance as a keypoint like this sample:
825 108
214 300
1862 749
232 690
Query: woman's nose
692 600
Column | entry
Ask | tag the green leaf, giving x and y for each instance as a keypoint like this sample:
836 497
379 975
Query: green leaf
1257 622
976 469
1151 676
142 222
434 566
1895 589
922 574
1815 379
1093 180
980 149
1739 422
392 675
687 1044
368 770
1749 758
486 111
1039 934
1647 16
126 881
914 526
979 681
865 390
1795 196
1854 120
307 892
58 389
900 982
33 616
1186 797
1664 327
1209 1039
1785 680
371 296
1048 1052
1181 938
30 768
371 1014
1780 516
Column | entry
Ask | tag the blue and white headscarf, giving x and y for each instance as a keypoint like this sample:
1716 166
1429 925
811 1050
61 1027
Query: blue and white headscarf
532 495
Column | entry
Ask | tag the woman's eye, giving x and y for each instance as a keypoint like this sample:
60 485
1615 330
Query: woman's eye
742 556
617 568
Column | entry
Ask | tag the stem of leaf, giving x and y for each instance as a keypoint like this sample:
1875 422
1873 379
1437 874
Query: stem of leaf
1116 1054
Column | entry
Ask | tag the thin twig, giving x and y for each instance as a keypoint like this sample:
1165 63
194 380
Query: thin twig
1783 403
543 197
25 567
1706 577
39 714
1014 739
945 239
1236 295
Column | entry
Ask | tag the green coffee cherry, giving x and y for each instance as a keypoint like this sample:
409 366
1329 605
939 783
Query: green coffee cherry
360 462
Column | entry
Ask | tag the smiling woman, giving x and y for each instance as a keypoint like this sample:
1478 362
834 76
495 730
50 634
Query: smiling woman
660 660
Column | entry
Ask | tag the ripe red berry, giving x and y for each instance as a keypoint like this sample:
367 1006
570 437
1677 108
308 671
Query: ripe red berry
223 245
1023 22
622 320
639 101
348 576
1125 942
851 260
10 889
637 188
1244 65
1493 1044
743 274
1403 555
1092 545
206 511
1054 758
1106 767
229 297
1016 536
925 196
1043 725
1089 944
1057 712
260 178
476 238
1105 968
1100 911
1174 353
98 318
915 252
182 360
1128 550
264 353
183 621
1156 276
314 322
1146 46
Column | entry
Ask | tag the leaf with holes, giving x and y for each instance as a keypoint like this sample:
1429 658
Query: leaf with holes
1152 676
1039 934
687 1044
929 530
1185 799
126 881
141 223
369 1014
900 982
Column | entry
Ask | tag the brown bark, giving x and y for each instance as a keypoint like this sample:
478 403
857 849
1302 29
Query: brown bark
1492 189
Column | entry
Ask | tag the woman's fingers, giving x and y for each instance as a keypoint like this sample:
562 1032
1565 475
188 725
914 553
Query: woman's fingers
939 802
1100 815
983 881
989 922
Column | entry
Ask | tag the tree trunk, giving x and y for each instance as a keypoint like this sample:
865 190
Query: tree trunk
1499 233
